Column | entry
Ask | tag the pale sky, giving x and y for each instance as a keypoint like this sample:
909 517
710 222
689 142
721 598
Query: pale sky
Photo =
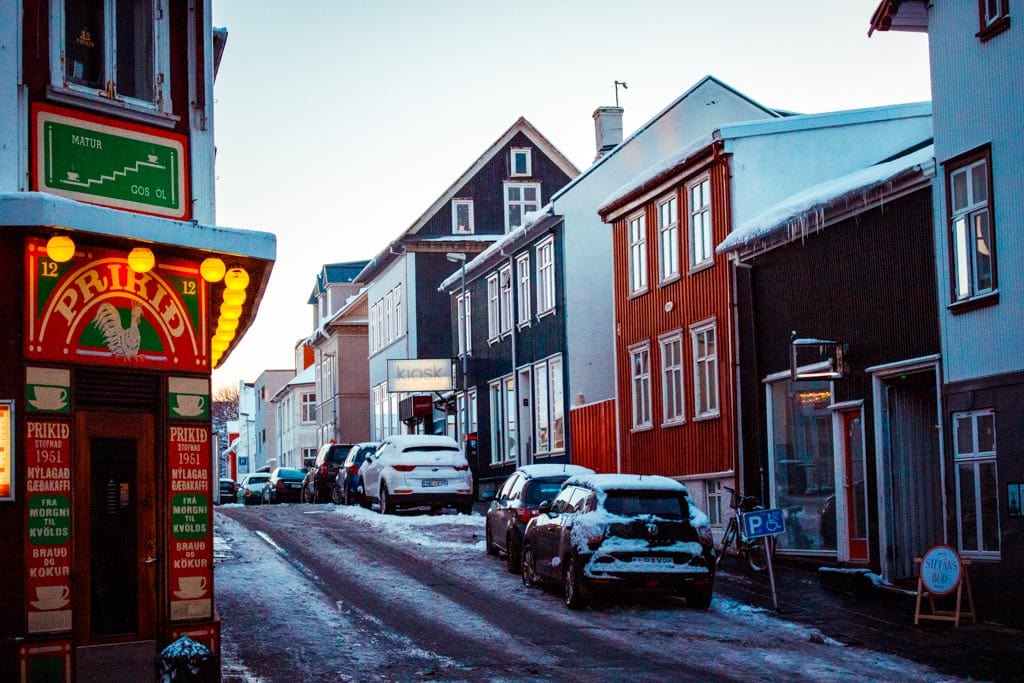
339 122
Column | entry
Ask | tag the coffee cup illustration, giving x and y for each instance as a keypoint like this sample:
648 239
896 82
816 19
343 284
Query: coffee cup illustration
49 398
191 587
51 597
189 405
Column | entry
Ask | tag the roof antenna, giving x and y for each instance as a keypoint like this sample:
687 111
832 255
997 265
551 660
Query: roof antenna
624 87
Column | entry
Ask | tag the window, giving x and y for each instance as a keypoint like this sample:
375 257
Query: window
673 406
523 289
462 216
640 372
541 409
994 16
557 404
522 164
699 194
112 50
668 245
389 311
398 325
546 276
520 199
505 304
309 407
972 233
503 420
493 308
714 502
548 406
974 434
464 305
637 254
705 370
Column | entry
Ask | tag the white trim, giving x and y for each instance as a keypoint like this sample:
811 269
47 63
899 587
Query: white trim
526 152
470 223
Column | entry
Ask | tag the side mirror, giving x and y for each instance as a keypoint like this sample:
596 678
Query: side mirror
545 507
488 496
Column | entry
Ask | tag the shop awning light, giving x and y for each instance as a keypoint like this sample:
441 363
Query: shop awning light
60 248
212 269
141 260
236 279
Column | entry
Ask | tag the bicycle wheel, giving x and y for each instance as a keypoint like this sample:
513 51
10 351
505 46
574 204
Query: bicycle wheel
729 537
757 554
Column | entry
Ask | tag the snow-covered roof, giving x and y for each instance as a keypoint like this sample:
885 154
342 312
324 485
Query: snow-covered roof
550 469
656 170
404 441
805 211
628 482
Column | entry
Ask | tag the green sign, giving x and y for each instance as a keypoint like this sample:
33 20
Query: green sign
189 515
49 520
119 167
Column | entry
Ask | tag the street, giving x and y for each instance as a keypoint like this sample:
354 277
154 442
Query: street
328 593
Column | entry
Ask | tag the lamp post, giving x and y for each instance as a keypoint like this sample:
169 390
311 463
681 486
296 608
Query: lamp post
464 350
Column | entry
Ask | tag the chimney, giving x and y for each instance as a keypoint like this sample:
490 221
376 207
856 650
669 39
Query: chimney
607 129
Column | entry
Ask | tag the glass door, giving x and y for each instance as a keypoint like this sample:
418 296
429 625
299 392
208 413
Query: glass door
856 526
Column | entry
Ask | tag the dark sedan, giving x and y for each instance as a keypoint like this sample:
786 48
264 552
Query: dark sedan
284 486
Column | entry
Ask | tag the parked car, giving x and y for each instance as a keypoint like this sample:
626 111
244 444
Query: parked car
284 486
348 486
250 491
606 531
412 470
228 489
517 502
319 480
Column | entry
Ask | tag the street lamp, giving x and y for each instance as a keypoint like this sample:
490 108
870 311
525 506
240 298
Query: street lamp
464 350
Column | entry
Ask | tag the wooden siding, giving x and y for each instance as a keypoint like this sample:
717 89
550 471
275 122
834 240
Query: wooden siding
593 436
695 446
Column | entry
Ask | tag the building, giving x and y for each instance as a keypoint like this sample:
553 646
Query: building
122 294
296 420
265 423
977 73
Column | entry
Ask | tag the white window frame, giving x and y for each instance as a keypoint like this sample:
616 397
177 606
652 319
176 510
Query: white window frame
636 236
713 491
493 307
525 206
505 282
523 309
640 385
976 459
556 390
108 95
463 306
470 227
668 238
705 371
545 276
965 221
541 408
673 386
521 152
308 407
396 319
699 222
389 311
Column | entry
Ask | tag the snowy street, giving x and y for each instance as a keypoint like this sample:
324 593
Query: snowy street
327 593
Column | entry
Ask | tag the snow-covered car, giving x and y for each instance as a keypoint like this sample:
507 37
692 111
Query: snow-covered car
412 470
517 502
250 491
621 530
348 486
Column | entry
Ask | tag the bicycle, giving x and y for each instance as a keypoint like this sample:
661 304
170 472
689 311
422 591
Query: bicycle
755 550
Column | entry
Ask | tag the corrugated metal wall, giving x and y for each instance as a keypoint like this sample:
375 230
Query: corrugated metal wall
696 446
593 436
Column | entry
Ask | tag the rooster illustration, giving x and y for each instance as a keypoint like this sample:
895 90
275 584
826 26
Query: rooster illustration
122 341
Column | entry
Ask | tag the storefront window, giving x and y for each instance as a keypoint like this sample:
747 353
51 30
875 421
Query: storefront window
802 463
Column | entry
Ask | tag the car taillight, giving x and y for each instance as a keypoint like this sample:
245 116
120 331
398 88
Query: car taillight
462 468
404 468
323 468
352 469
280 485
524 515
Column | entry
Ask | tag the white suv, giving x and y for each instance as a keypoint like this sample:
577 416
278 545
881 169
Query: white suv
411 470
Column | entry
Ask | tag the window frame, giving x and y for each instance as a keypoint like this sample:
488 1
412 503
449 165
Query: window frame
546 294
470 223
505 301
307 408
522 202
636 254
706 233
640 388
668 255
159 109
974 297
525 153
463 313
524 312
994 23
705 369
493 308
976 458
672 376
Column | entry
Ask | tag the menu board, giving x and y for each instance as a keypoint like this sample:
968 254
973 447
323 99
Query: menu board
48 551
6 453
191 540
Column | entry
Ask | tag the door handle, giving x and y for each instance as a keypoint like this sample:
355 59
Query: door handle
150 560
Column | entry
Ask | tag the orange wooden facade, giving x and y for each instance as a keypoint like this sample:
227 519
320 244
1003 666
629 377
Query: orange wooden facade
695 446
592 429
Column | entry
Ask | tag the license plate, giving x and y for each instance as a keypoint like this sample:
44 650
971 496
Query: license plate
432 483
295 486
653 560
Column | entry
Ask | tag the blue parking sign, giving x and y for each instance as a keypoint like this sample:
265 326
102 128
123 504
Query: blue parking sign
763 523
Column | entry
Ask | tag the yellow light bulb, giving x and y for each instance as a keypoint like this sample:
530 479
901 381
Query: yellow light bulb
234 296
60 248
141 260
212 269
236 279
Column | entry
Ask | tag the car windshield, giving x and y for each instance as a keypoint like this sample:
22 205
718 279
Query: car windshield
337 454
539 491
430 449
256 481
641 503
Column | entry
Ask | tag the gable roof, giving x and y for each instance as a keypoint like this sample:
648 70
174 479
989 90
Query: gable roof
333 274
393 250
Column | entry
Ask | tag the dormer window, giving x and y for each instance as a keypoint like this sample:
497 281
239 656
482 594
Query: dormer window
522 163
462 217
111 51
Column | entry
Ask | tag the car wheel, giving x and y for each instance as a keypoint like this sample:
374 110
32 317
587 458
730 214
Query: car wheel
513 561
464 508
337 495
575 592
386 506
528 568
364 501
699 597
491 548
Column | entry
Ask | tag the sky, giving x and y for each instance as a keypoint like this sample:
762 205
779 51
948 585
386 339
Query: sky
338 123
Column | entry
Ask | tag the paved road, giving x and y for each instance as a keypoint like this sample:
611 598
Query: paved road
325 593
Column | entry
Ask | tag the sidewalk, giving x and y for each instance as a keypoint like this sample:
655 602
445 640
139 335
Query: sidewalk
879 619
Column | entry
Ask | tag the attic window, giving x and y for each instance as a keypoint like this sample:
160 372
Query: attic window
462 217
994 16
521 162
